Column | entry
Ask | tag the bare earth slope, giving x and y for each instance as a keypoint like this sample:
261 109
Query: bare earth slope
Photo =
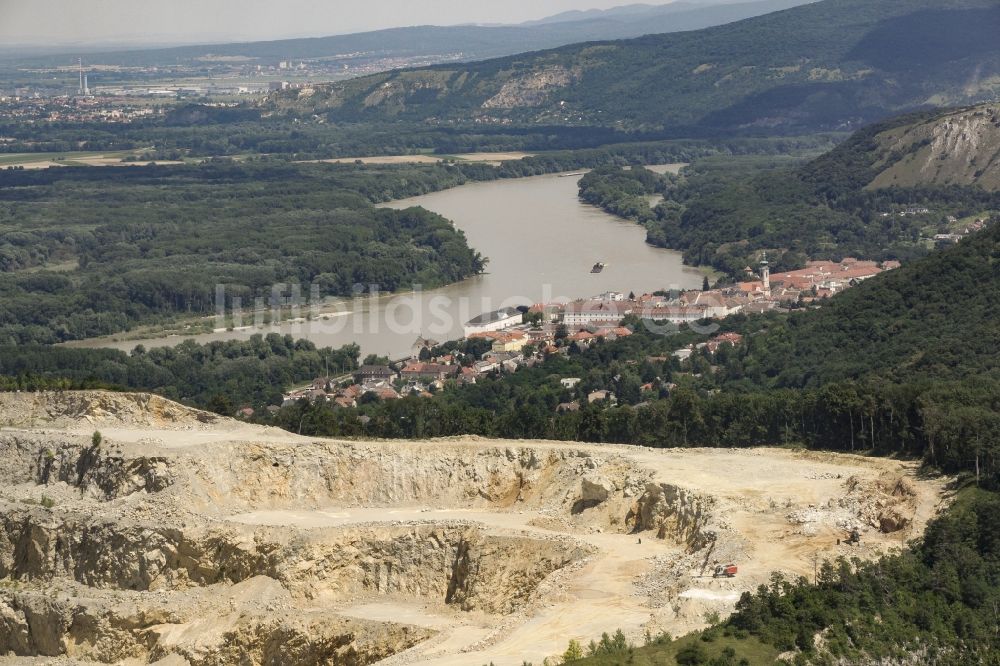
190 538
958 148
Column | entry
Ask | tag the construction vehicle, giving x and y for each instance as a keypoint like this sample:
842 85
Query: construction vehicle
725 571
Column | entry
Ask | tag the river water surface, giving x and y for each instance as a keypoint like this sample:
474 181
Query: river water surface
541 242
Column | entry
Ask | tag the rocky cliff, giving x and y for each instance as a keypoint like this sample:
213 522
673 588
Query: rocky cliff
955 148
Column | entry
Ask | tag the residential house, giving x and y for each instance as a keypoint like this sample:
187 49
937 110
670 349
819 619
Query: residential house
716 304
505 341
945 239
420 344
317 395
612 333
429 371
388 393
731 339
486 365
549 311
467 376
581 337
683 354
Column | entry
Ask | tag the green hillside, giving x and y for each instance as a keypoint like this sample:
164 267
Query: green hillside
855 200
935 319
834 64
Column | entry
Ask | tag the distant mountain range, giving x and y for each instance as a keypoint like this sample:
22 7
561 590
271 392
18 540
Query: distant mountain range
680 13
465 42
835 64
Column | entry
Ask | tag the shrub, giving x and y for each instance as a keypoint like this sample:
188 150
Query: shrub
691 655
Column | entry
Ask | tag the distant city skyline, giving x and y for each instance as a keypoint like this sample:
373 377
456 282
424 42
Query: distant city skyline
40 23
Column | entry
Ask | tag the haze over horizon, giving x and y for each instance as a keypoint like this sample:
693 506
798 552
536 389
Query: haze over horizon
40 23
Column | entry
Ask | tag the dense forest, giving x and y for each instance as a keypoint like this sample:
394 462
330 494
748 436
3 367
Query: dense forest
935 320
219 376
91 251
198 131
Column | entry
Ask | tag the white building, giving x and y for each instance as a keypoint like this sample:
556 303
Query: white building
496 320
585 313
677 314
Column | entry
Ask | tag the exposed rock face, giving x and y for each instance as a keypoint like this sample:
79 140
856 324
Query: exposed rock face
886 504
453 563
531 89
214 542
595 489
98 408
672 512
97 628
960 148
126 521
32 624
393 94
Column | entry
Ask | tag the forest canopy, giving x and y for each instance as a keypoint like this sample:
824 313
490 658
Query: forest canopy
86 251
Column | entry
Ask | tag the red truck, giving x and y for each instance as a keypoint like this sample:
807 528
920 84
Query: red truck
725 571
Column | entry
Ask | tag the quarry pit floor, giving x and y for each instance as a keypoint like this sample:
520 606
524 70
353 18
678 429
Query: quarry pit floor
575 539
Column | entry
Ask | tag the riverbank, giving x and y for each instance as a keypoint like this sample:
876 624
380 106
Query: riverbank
542 242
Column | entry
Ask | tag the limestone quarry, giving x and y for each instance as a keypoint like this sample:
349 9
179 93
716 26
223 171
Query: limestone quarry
186 538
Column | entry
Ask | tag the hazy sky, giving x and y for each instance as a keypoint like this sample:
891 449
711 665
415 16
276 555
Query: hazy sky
86 21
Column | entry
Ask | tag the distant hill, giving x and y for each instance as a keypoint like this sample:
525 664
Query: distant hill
465 42
959 148
851 201
682 14
952 147
835 64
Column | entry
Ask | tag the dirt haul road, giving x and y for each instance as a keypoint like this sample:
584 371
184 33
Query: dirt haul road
189 537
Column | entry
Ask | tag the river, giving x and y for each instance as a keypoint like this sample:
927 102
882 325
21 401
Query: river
541 242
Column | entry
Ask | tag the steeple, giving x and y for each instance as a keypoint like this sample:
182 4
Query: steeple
765 276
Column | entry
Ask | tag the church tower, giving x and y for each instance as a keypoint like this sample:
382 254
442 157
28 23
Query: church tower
765 276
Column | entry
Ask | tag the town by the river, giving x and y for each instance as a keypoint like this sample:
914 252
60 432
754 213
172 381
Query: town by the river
541 241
